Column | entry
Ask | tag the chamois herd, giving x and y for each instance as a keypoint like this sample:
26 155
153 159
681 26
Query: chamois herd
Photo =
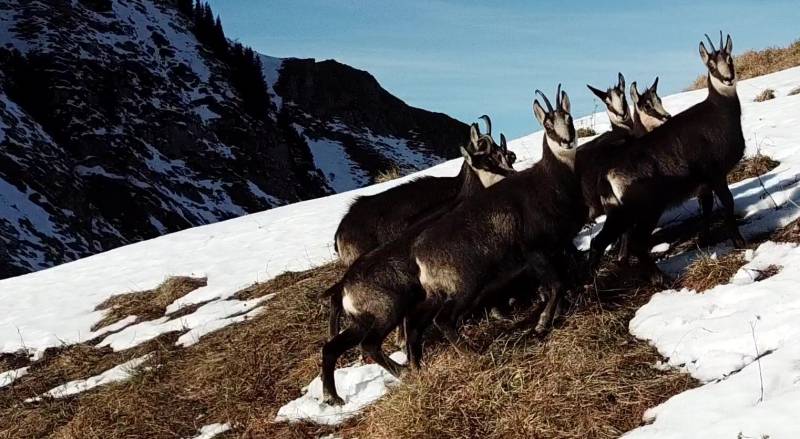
436 249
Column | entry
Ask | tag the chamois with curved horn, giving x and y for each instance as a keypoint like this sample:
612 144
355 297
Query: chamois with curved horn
378 219
693 150
381 286
616 105
375 219
520 227
648 113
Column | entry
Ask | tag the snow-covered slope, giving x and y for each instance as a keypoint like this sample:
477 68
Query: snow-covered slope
56 305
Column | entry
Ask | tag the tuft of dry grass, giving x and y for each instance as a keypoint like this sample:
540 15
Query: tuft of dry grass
768 272
146 305
766 95
388 175
759 62
585 132
14 360
794 91
750 167
707 272
788 233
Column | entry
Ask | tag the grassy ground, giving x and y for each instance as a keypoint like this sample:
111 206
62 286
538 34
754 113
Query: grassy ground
760 62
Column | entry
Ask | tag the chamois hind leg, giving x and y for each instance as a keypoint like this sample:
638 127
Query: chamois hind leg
415 325
617 222
371 346
331 351
705 198
726 198
335 314
623 250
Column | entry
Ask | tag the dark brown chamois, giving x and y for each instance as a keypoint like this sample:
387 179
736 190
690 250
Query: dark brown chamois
485 163
372 220
520 226
690 152
380 287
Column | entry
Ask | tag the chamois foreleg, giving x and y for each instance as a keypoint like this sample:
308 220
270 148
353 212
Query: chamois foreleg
551 288
331 351
640 245
617 222
705 198
726 198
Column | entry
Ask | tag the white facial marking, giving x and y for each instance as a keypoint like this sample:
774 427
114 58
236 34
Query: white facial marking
348 305
723 89
649 122
564 155
616 120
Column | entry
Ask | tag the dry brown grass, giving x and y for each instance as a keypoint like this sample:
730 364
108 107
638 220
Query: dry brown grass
707 272
760 62
750 167
765 95
13 360
794 91
240 374
588 378
789 233
388 175
146 305
585 132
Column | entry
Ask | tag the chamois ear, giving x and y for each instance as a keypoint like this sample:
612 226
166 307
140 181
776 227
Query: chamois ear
467 156
474 136
539 112
704 53
620 81
565 102
655 85
599 93
729 45
634 93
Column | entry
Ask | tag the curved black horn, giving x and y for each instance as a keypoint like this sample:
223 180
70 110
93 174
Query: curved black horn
713 49
488 124
558 97
503 144
721 44
546 101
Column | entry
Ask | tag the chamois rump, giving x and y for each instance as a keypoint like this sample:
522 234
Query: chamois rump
378 219
380 287
691 152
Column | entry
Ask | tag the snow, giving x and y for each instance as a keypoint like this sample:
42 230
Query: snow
117 373
359 386
271 68
10 376
330 157
205 319
211 430
707 335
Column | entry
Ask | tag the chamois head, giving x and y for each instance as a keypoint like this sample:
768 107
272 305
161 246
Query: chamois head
510 156
487 159
647 106
616 104
719 62
559 131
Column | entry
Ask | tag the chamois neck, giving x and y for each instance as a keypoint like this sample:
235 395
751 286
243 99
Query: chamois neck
470 183
559 157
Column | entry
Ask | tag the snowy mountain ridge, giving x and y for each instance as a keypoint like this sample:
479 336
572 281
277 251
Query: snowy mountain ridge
109 105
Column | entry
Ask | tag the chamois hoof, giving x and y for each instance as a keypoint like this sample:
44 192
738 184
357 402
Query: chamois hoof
333 400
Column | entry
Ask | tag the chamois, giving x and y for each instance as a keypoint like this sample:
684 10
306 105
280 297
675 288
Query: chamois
374 220
692 151
379 288
521 225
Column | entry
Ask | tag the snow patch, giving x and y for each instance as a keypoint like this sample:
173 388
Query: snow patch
117 373
211 430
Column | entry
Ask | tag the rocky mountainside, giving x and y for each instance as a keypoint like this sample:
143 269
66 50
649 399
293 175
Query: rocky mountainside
118 124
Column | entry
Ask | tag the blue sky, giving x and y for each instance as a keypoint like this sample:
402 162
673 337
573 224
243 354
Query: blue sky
468 58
